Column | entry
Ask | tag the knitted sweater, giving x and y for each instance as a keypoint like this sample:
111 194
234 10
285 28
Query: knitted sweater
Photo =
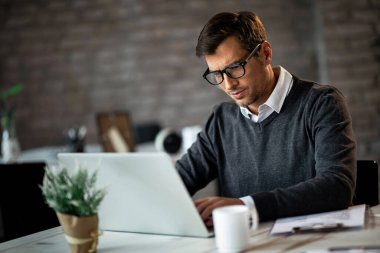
300 161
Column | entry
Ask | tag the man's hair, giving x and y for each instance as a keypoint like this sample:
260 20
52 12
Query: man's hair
246 26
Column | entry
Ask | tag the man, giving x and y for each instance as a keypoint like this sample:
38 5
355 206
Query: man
284 146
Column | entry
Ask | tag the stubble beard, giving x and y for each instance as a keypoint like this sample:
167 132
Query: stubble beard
249 102
252 101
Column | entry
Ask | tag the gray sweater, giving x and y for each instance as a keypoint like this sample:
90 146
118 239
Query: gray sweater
300 161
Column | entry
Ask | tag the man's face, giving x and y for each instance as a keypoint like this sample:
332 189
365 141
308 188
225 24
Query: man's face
251 90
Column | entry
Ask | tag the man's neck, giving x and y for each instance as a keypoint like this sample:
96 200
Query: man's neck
276 74
273 74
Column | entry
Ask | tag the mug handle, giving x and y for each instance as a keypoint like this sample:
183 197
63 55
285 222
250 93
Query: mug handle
254 218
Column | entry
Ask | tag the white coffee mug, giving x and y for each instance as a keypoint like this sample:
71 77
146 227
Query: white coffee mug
232 227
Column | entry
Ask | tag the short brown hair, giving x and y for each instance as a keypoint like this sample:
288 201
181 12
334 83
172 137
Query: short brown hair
246 26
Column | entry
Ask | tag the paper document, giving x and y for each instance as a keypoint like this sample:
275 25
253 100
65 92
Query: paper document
353 249
352 217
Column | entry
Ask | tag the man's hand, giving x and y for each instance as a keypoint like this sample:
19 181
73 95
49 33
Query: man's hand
206 205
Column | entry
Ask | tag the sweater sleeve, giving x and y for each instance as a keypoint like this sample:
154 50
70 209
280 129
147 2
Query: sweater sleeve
329 124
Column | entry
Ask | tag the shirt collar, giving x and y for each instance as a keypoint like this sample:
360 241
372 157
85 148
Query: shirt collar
279 93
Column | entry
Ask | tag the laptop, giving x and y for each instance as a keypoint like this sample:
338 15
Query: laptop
145 194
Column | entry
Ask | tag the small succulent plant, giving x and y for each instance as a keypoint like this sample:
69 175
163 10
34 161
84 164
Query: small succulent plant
73 194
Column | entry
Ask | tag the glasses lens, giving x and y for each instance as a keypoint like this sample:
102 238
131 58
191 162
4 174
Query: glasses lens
214 78
235 71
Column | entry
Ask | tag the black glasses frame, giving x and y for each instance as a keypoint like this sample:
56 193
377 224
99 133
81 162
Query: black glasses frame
224 71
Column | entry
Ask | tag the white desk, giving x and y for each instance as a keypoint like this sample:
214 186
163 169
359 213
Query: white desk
53 241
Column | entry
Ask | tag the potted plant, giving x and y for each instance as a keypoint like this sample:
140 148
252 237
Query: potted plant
75 200
10 148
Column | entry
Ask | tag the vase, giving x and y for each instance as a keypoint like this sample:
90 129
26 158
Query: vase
10 147
81 233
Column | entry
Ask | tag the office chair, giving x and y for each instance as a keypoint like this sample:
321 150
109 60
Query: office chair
23 210
367 183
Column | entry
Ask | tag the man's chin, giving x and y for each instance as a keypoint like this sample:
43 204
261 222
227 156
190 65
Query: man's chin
244 103
239 103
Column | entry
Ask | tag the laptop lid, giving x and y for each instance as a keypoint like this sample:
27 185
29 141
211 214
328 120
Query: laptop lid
145 194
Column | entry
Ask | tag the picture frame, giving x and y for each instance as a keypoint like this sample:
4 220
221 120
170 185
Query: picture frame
115 131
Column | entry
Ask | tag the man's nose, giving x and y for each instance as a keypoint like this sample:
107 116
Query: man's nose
229 82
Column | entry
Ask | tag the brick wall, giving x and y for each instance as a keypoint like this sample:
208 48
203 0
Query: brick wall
78 58
350 32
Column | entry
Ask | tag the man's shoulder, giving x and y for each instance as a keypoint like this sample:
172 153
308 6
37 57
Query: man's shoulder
315 96
314 88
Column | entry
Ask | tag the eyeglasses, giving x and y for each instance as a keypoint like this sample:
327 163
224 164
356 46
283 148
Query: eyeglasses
234 71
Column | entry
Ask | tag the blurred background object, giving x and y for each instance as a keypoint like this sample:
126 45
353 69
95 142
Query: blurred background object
146 132
10 147
115 131
169 141
76 138
189 136
23 208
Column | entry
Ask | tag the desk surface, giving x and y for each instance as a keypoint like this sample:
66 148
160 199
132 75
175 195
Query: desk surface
53 241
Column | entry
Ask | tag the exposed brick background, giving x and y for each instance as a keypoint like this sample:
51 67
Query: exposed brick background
351 29
78 58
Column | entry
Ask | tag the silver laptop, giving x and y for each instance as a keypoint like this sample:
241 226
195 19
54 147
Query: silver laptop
145 194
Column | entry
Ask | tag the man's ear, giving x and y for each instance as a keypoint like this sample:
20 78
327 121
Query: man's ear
266 52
